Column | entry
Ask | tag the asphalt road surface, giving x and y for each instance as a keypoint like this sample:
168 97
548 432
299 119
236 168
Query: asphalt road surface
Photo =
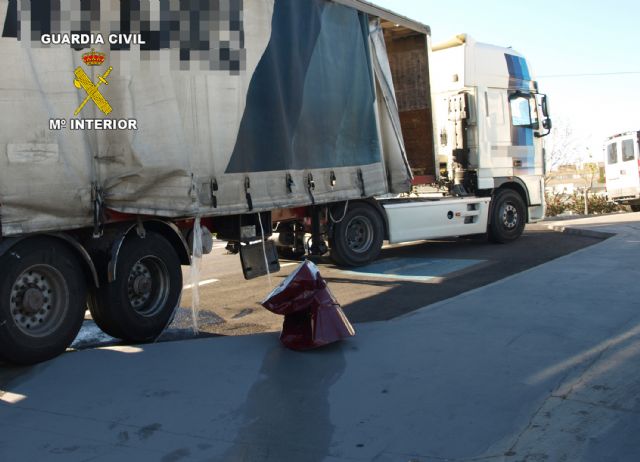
405 278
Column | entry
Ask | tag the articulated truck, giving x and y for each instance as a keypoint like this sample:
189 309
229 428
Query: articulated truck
130 137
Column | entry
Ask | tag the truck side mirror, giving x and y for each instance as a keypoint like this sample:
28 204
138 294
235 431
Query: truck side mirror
546 119
544 106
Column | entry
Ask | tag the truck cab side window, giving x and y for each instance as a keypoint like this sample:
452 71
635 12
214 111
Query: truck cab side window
627 150
522 113
612 153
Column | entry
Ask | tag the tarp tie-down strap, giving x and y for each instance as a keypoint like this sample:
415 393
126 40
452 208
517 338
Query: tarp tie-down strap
311 186
290 183
214 189
99 216
361 183
247 189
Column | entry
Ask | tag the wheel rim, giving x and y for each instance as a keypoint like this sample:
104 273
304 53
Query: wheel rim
359 233
39 300
148 286
509 216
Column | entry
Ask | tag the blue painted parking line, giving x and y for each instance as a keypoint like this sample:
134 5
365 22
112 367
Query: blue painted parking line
414 269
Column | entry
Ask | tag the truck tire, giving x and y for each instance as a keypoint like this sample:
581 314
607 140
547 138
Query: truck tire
357 239
43 294
635 207
140 303
508 217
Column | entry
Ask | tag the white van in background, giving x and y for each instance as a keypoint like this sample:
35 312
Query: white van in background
622 155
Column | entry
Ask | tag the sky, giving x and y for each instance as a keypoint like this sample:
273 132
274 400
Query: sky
564 42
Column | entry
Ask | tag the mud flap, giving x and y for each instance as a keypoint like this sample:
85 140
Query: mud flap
258 260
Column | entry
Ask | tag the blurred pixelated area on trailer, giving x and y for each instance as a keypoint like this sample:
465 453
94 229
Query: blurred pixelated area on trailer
201 35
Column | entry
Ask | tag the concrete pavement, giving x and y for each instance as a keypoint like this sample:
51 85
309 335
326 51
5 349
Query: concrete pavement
541 366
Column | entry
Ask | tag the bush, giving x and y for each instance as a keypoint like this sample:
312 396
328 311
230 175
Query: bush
555 204
558 204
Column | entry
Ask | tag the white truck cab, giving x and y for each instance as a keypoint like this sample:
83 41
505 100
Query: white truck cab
475 133
622 169
490 119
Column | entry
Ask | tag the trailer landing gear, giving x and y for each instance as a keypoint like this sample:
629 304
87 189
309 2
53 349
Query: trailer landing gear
290 243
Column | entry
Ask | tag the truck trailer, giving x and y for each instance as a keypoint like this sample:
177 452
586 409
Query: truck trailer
133 136
622 169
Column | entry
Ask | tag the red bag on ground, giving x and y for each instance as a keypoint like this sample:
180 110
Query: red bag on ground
312 316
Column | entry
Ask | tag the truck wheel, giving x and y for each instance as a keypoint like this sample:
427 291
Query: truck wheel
635 207
357 238
508 217
42 300
139 304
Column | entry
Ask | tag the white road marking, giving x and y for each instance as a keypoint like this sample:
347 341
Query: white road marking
201 283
